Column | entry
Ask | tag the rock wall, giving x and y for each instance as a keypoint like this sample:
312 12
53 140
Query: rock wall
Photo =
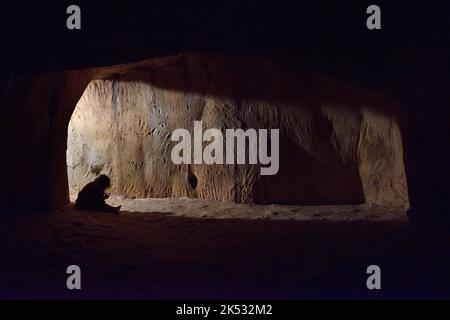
34 113
338 143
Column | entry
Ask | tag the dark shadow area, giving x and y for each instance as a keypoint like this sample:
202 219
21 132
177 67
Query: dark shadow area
273 78
312 182
160 256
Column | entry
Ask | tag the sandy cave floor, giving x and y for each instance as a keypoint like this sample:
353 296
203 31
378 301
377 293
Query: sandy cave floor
189 249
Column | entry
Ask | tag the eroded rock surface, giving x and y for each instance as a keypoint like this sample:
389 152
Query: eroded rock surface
338 143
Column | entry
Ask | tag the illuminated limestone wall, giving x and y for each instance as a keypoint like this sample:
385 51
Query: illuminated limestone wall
338 143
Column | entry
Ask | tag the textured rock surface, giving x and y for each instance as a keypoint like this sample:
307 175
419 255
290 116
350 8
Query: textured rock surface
338 144
35 112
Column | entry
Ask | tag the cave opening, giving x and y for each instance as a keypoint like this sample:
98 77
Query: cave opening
337 144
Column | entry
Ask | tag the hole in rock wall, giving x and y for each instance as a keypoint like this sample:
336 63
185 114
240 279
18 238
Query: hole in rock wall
335 147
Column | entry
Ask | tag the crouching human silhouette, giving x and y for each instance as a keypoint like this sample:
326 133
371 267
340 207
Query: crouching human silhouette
92 197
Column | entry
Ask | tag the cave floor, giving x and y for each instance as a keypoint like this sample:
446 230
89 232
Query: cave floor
189 249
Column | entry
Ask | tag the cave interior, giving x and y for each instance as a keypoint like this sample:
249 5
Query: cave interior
364 154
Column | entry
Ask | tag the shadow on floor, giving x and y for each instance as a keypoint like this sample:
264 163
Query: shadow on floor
161 256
